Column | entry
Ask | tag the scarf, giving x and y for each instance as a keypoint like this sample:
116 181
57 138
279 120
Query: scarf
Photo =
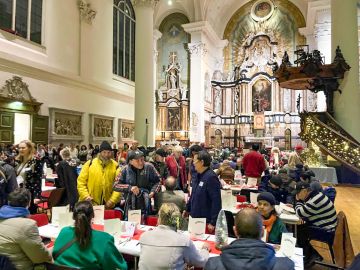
268 223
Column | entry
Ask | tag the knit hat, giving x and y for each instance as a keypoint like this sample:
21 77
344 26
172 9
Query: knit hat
300 186
267 196
105 146
161 152
276 180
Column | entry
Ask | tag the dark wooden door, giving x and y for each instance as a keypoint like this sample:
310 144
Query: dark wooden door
39 129
7 127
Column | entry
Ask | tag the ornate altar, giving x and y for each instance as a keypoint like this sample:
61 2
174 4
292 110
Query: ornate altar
172 104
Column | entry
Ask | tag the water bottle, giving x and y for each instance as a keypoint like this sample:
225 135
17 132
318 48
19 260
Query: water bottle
221 231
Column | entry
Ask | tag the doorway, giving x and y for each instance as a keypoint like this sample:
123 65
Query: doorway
22 127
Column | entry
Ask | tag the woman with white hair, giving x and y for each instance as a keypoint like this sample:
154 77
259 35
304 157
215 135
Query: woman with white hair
173 249
177 167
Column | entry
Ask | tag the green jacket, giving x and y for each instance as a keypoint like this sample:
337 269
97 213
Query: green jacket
276 231
100 254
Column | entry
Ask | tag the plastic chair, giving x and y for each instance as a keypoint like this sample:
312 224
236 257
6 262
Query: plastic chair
151 220
240 198
111 214
41 219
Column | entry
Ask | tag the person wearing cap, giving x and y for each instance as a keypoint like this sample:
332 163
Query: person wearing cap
294 157
139 181
273 225
96 179
274 186
319 215
159 163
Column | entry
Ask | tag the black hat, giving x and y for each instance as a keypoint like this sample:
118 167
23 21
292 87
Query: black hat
105 146
267 196
300 186
276 180
134 155
161 152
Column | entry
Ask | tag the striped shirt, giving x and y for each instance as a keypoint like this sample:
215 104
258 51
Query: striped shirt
317 210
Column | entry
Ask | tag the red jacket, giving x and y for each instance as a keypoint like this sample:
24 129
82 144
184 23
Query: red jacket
173 168
253 164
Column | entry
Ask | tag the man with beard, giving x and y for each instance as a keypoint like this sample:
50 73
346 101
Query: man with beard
96 179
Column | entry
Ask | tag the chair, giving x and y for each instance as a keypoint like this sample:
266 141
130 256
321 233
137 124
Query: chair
151 220
52 266
111 214
240 198
53 200
41 219
230 223
341 250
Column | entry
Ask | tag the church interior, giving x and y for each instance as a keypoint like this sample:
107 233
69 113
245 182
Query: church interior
282 74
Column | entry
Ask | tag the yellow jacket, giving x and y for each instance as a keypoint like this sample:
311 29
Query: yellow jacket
97 182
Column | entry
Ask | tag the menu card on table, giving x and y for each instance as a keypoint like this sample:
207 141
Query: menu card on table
253 198
228 201
112 226
65 219
197 227
98 214
288 243
251 182
55 213
134 216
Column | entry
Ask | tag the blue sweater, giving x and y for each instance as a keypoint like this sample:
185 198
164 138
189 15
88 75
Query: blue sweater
205 200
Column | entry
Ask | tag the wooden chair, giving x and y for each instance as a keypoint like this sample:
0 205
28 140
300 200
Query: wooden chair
53 200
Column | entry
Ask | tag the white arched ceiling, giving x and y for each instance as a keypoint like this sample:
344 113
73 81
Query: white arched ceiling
216 12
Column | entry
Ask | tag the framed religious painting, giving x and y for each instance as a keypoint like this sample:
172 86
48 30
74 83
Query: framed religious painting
126 130
261 95
259 121
101 128
262 10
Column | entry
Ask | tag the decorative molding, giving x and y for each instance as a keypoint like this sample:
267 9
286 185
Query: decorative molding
149 3
65 125
16 89
101 128
87 14
197 49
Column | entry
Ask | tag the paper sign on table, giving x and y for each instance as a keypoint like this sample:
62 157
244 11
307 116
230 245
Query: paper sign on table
288 243
55 213
197 227
128 228
237 175
228 201
287 208
112 226
65 219
253 198
98 214
49 171
251 182
134 216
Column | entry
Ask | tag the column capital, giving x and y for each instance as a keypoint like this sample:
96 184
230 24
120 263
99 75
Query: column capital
196 48
149 3
157 34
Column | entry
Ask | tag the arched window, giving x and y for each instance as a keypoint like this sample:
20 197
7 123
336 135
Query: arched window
124 39
22 18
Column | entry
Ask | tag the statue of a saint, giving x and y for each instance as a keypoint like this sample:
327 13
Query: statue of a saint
172 79
236 102
184 93
217 101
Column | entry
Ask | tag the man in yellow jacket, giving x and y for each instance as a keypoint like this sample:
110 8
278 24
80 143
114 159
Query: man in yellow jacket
96 179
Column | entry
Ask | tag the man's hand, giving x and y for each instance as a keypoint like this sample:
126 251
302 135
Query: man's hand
211 228
135 190
151 195
109 205
37 201
88 198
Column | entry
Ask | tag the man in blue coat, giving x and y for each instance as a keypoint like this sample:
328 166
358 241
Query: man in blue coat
205 200
248 252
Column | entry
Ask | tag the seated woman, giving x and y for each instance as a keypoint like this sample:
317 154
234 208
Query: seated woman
274 227
84 247
173 250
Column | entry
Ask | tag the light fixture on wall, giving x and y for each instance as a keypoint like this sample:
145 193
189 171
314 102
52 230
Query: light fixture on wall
170 2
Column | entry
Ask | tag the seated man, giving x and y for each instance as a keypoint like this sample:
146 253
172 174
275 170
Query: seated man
248 251
274 186
169 196
19 236
320 218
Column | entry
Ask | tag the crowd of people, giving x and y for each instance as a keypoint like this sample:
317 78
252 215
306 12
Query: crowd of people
131 177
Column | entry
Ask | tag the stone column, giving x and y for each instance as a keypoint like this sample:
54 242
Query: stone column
344 30
144 72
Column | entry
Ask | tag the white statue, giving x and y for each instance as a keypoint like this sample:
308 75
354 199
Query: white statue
236 102
172 78
160 95
217 101
184 91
